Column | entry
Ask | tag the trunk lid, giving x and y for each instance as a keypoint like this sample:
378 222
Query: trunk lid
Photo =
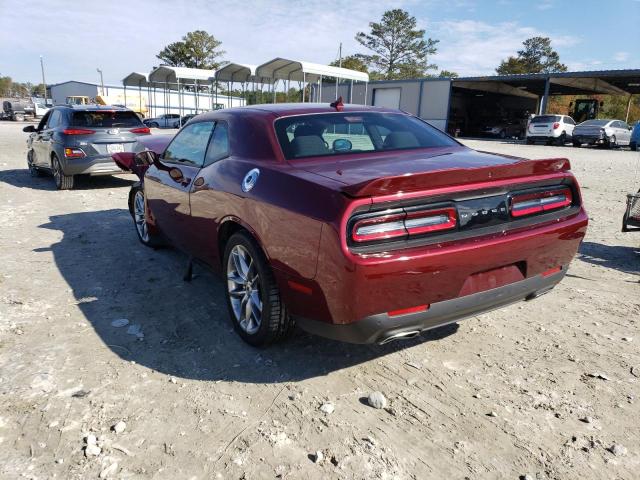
405 171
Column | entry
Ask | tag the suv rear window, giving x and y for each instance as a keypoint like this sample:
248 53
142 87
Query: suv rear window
330 134
105 119
545 119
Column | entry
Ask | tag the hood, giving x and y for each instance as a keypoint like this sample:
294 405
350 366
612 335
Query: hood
393 172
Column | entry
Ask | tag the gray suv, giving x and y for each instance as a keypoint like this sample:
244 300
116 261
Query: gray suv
75 140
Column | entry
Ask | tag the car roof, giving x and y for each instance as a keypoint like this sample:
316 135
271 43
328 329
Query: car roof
94 107
287 109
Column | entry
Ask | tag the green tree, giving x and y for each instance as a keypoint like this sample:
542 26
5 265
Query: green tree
448 74
352 62
400 50
197 49
537 56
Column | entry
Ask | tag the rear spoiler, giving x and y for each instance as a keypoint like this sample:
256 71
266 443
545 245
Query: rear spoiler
456 177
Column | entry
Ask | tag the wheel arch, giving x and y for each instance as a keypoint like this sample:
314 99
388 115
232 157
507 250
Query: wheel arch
231 225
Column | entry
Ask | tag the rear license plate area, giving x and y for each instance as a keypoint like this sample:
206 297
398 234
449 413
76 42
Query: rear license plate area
494 278
115 148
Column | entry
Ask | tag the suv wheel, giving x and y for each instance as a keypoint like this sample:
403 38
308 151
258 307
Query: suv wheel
562 139
253 298
63 182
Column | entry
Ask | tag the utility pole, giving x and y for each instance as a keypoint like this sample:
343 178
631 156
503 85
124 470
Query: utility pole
340 65
44 83
101 80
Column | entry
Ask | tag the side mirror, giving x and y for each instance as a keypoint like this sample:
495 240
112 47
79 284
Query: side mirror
342 145
146 158
29 129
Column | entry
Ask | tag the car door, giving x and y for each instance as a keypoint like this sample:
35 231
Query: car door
209 197
45 137
36 142
625 133
569 126
167 188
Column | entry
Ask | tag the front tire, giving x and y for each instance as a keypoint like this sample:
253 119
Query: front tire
33 170
63 182
612 142
138 210
577 144
253 298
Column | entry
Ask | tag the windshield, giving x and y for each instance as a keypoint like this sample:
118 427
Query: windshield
545 119
106 119
345 133
595 123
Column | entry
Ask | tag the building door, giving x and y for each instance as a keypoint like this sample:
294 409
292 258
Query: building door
386 97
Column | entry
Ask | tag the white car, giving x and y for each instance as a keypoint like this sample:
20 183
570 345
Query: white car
550 128
610 133
167 120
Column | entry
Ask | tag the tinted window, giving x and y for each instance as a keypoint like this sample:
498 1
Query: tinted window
190 145
545 119
54 119
219 145
569 120
346 133
105 119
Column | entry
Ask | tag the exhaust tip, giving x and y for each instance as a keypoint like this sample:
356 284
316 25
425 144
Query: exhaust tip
400 336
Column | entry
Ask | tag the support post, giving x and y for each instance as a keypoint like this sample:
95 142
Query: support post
545 98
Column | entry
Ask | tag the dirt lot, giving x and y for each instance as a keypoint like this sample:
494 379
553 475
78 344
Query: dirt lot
540 390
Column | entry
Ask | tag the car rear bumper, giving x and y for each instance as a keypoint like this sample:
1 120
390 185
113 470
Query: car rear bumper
382 328
591 139
95 165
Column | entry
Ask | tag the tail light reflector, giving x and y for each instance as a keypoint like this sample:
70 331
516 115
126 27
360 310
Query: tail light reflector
78 131
551 271
531 203
140 130
74 153
401 224
556 125
406 311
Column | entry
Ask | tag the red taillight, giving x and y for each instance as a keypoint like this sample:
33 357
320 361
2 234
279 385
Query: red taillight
140 130
556 125
74 153
400 224
530 203
77 131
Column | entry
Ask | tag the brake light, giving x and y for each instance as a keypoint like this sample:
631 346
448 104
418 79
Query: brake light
396 224
556 125
140 130
525 204
74 153
78 131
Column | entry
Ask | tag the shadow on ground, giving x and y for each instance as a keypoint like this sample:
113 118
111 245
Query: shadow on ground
622 258
21 178
187 332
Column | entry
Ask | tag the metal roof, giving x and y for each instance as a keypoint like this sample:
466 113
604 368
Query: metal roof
285 69
239 72
166 74
136 79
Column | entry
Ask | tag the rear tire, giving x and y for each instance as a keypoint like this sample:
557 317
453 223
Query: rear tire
253 298
562 139
633 146
530 141
63 182
576 144
138 210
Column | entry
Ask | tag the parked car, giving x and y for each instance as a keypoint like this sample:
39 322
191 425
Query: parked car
503 129
167 120
16 110
72 140
609 133
187 118
550 128
635 137
357 223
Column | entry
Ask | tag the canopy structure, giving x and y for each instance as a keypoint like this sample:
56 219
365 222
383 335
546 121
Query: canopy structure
184 75
136 79
306 72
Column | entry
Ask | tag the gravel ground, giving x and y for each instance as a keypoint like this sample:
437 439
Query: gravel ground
95 330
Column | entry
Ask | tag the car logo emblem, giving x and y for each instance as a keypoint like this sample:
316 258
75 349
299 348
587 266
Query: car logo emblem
250 179
113 131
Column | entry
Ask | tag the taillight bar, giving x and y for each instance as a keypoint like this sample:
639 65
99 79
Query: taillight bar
140 130
389 225
78 131
524 204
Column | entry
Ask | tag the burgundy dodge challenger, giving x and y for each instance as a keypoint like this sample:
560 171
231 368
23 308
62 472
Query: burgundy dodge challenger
357 223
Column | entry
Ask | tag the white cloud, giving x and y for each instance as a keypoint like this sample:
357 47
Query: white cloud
621 56
471 47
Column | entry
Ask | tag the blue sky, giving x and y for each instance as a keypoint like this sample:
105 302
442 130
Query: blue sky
120 37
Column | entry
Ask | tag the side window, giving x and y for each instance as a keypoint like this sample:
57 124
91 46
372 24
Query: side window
54 119
219 145
44 120
190 145
569 121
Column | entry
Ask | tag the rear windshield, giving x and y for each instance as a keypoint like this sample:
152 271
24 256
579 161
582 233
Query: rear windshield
106 119
596 123
345 133
545 119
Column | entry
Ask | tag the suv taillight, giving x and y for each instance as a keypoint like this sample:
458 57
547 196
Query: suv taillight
523 204
556 125
78 131
400 223
140 130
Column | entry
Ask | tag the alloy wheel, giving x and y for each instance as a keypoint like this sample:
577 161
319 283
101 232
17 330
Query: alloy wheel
243 285
139 216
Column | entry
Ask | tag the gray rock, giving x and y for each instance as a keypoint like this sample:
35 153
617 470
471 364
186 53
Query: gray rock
92 450
119 427
318 457
377 400
492 414
327 408
110 470
136 330
618 450
91 439
120 322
